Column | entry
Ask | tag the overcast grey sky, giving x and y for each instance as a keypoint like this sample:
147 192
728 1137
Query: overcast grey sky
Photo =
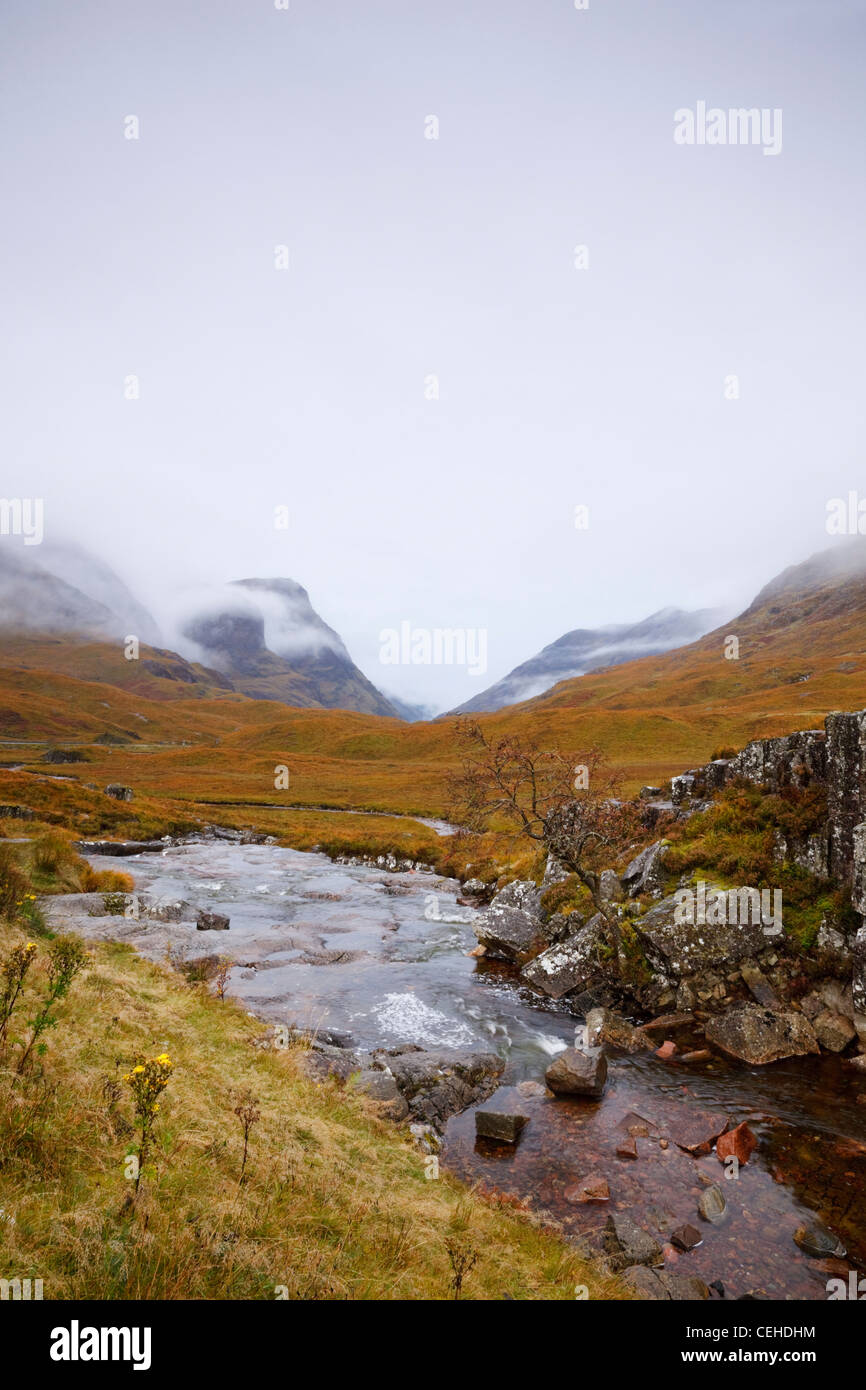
410 256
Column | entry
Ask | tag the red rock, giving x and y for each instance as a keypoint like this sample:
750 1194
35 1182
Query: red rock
666 1051
627 1148
739 1143
698 1131
686 1237
591 1189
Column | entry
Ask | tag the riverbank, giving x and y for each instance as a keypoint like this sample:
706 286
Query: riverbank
335 1202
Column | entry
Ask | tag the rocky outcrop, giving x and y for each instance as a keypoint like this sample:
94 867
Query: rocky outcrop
684 948
712 951
845 772
834 758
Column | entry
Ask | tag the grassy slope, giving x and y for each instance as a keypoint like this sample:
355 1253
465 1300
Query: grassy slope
335 1205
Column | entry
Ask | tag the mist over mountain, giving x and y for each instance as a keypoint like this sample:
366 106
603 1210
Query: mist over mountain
826 569
587 649
267 637
68 590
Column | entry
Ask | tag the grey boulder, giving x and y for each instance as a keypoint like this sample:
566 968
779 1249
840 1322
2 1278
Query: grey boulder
576 1073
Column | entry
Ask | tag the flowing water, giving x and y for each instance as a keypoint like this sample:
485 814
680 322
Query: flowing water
382 956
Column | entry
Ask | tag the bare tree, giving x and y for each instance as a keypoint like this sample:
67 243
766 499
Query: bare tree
567 804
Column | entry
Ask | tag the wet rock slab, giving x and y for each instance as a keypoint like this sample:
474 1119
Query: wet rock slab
511 928
569 965
441 1083
504 1126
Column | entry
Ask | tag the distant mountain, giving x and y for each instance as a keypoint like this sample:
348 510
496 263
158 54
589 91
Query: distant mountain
265 635
67 590
832 569
589 649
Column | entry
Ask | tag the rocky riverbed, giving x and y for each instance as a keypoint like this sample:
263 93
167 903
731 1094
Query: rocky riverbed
378 965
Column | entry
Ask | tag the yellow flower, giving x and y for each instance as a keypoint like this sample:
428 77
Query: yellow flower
136 1071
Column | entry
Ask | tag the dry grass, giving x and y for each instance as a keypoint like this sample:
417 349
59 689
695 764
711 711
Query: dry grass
334 1204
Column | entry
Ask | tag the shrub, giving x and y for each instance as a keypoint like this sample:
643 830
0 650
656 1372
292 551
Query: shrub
14 883
147 1081
66 959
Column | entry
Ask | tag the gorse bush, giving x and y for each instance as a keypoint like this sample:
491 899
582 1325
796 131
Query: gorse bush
147 1080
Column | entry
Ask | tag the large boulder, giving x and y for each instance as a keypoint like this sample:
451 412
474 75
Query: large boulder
679 948
568 965
750 1033
578 1073
441 1083
512 927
